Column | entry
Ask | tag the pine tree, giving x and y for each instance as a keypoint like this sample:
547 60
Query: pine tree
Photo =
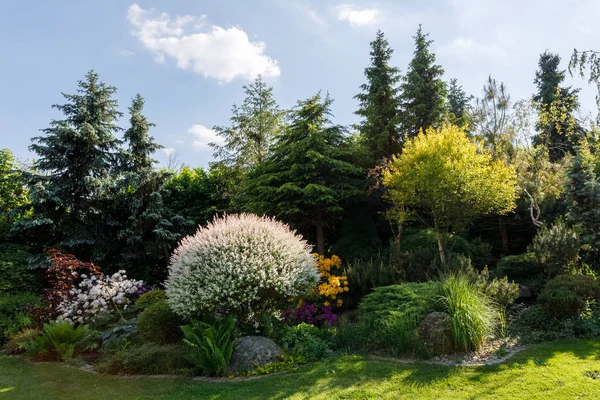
141 146
308 178
459 104
557 126
254 126
379 102
423 90
73 170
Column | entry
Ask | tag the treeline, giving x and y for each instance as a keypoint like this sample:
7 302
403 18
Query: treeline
105 200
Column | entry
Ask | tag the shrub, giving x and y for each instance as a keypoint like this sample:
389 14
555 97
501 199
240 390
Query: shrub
18 341
366 274
151 297
309 313
242 265
556 248
146 359
159 324
306 341
389 317
471 313
565 296
61 340
14 274
14 314
209 346
519 267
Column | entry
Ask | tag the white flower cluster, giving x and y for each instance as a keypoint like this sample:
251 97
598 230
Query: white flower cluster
239 264
97 295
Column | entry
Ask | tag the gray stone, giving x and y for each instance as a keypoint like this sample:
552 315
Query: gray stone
436 334
252 351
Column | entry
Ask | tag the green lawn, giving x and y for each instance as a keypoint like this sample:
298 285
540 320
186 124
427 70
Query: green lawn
551 371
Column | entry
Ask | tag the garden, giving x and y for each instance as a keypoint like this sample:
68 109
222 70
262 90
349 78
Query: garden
446 248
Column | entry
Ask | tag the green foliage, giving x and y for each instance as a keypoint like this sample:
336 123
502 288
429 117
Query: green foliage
158 324
308 178
364 275
458 102
389 317
13 193
254 126
14 274
471 312
151 297
306 341
379 103
209 346
423 92
60 341
519 267
556 248
18 342
146 359
14 315
565 296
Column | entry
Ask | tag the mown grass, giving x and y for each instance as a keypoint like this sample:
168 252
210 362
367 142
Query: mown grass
562 370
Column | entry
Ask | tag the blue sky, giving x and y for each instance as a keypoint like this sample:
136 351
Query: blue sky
189 59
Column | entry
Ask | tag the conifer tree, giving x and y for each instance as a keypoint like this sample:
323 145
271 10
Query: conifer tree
308 178
423 92
459 104
379 103
254 126
560 137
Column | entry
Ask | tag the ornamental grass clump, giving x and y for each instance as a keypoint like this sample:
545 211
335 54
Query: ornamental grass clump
241 265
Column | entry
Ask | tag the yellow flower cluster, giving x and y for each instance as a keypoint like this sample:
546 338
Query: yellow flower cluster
332 285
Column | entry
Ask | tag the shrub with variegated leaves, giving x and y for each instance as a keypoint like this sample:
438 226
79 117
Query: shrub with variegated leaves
240 265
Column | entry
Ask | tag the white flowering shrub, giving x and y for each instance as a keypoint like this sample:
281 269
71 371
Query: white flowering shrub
241 265
97 295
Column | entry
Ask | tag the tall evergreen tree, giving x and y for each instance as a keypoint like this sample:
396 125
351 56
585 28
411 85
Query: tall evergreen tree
75 159
254 126
379 103
562 136
424 91
308 178
459 104
138 157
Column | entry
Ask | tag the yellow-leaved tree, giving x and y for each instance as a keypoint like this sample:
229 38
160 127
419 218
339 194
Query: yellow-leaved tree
446 180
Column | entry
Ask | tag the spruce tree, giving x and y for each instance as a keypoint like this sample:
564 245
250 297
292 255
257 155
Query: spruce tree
379 103
557 126
424 91
254 126
308 178
76 155
141 146
459 104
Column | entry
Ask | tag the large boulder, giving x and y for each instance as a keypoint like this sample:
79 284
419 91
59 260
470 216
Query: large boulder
435 332
252 351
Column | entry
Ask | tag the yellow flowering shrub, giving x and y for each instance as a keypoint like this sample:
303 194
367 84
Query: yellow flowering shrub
331 284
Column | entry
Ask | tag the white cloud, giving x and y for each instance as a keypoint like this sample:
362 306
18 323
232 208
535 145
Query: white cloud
125 52
179 141
467 47
355 16
203 136
216 52
169 151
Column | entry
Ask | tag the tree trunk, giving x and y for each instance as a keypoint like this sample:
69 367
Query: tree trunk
320 238
503 234
440 248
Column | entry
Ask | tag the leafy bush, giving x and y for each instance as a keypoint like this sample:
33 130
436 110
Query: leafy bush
471 313
61 340
309 313
119 334
366 274
151 297
14 314
18 341
159 324
519 267
389 317
209 346
565 296
306 341
556 248
146 359
14 274
239 264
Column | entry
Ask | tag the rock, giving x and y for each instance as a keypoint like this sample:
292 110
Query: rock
252 351
436 334
525 292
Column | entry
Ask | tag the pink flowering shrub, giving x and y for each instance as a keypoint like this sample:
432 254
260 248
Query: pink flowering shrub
239 264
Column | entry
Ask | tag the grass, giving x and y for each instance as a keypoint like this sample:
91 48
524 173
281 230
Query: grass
561 370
